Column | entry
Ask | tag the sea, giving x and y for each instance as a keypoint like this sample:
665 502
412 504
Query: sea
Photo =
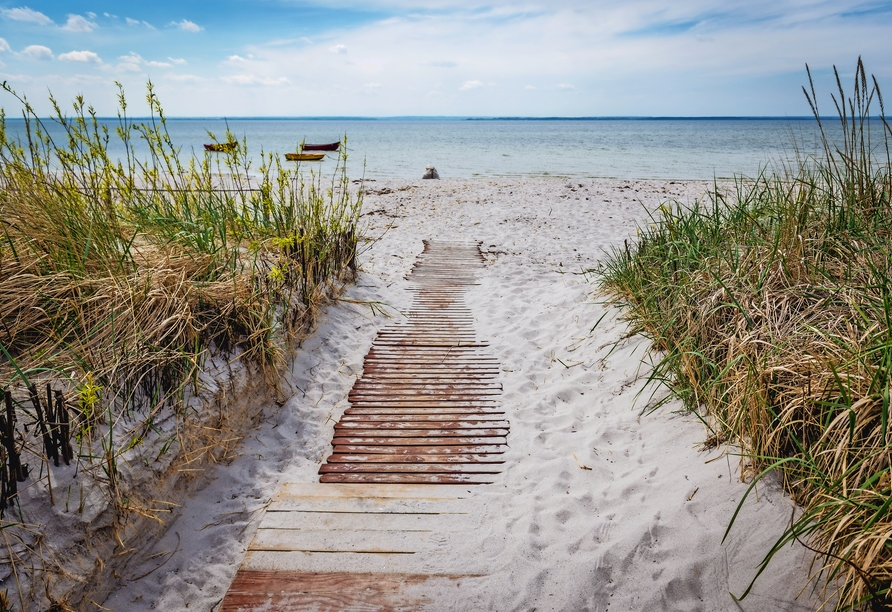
464 147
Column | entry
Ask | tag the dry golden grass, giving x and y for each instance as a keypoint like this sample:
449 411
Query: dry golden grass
770 311
120 279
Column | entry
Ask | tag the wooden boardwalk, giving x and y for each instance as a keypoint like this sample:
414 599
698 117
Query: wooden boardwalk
426 409
389 522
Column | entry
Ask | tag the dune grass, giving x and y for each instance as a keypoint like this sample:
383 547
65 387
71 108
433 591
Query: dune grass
120 278
122 274
769 305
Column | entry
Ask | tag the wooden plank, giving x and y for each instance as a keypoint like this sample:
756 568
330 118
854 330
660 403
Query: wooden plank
416 458
319 540
290 591
447 356
372 382
411 478
411 468
420 390
421 428
446 377
425 441
433 370
459 367
369 430
414 403
360 521
388 505
431 383
463 410
268 560
421 397
349 422
315 490
387 449
435 436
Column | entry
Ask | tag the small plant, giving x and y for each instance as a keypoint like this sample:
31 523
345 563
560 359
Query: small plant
89 395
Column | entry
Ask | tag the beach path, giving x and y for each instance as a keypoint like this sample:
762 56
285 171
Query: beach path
387 526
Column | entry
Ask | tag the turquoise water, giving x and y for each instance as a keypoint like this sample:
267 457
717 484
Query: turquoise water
597 148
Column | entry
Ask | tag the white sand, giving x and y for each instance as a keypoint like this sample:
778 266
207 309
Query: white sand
598 508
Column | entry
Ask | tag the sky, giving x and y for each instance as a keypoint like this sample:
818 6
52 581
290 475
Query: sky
381 58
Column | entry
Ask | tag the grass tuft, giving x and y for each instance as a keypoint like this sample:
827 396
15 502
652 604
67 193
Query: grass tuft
122 277
769 307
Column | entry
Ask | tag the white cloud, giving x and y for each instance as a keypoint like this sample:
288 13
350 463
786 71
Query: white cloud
38 52
80 56
565 86
252 79
530 87
236 59
76 23
134 62
132 58
4 46
469 85
126 63
136 22
177 61
188 26
339 49
91 15
25 14
184 78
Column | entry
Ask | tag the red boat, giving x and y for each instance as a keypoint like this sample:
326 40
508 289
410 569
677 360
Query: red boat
332 146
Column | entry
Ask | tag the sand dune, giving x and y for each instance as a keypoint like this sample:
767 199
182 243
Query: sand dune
598 507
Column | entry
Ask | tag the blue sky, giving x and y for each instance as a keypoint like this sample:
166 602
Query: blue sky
442 57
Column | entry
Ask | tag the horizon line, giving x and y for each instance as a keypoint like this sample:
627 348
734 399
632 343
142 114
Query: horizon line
471 118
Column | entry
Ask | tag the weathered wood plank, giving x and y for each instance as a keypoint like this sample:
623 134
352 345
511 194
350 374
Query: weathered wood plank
411 478
371 449
415 458
430 441
411 468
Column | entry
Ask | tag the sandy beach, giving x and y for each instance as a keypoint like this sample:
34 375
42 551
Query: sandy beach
598 507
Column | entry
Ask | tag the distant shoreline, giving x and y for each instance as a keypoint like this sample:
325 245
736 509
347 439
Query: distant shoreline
472 118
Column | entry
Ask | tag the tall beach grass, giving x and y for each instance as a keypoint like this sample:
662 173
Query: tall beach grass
121 277
769 305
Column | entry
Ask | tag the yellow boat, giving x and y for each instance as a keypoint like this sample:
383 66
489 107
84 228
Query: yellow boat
304 156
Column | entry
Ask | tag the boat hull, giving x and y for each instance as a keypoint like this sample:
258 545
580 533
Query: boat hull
333 146
304 156
221 147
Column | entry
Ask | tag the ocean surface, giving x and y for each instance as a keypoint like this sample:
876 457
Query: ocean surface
585 148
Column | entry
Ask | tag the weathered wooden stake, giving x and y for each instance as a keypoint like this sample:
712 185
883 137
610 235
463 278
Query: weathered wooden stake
48 445
42 422
4 468
63 431
17 473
